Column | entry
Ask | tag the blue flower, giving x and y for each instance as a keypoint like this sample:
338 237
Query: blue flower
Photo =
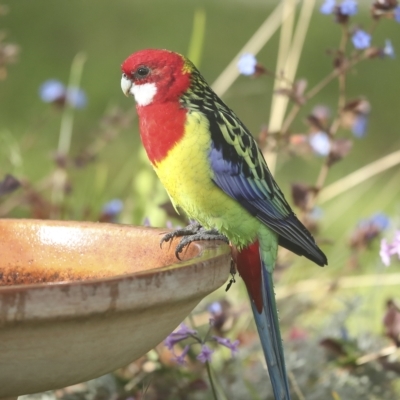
388 50
76 97
359 126
380 220
396 14
113 207
348 7
51 91
215 308
320 143
247 64
54 91
327 7
205 354
361 39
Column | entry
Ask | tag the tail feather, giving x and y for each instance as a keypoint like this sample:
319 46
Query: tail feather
250 265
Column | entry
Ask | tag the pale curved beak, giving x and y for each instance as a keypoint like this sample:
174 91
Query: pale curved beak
126 85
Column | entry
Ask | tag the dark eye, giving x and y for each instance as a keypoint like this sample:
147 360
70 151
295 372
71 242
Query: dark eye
142 72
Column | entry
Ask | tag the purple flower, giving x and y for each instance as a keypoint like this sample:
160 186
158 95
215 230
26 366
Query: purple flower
348 7
387 249
388 50
181 358
384 252
51 91
361 39
359 126
396 14
113 207
320 143
146 221
76 97
232 346
205 354
247 64
396 244
327 7
181 334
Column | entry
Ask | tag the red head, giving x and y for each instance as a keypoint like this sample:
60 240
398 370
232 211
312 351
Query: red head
155 76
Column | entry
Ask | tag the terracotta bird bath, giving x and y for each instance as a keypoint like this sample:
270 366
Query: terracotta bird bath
78 300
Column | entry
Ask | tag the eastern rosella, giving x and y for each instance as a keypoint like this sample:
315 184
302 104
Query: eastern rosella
213 170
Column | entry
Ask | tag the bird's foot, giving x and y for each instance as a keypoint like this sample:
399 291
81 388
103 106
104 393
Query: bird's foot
191 233
233 273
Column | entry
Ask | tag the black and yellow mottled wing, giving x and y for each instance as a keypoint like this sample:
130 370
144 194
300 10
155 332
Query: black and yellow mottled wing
240 171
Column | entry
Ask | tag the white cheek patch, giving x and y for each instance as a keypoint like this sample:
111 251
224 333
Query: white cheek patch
144 94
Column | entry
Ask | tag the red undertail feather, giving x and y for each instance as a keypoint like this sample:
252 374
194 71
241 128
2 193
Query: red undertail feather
248 264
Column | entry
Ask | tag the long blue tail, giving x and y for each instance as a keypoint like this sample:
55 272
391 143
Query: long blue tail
254 272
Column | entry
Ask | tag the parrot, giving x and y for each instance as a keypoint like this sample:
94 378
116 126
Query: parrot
214 171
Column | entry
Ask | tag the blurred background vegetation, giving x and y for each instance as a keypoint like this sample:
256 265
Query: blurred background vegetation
107 161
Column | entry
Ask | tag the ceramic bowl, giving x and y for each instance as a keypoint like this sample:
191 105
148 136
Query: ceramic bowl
80 299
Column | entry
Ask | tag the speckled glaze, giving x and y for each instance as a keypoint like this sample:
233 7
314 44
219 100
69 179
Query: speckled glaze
78 300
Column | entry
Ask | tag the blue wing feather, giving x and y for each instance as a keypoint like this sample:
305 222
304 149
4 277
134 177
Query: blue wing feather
270 208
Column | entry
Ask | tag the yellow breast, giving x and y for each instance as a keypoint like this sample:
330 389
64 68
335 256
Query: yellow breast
187 176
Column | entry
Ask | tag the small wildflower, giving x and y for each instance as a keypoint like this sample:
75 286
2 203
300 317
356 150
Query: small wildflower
384 252
111 210
327 7
387 249
113 207
339 149
52 91
215 308
361 39
247 64
388 50
232 346
396 14
348 7
396 244
76 97
320 143
359 127
181 358
146 221
181 334
9 184
301 194
205 354
368 229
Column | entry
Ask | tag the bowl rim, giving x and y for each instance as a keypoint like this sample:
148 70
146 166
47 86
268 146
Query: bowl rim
206 249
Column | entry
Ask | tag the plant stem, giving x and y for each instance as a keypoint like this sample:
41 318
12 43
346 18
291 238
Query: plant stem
67 120
197 39
209 373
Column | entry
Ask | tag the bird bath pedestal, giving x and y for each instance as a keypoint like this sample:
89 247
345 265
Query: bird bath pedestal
79 300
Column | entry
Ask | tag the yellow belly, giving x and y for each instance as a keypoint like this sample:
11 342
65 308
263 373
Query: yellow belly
187 177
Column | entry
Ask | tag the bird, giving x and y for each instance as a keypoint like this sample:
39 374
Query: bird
214 171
